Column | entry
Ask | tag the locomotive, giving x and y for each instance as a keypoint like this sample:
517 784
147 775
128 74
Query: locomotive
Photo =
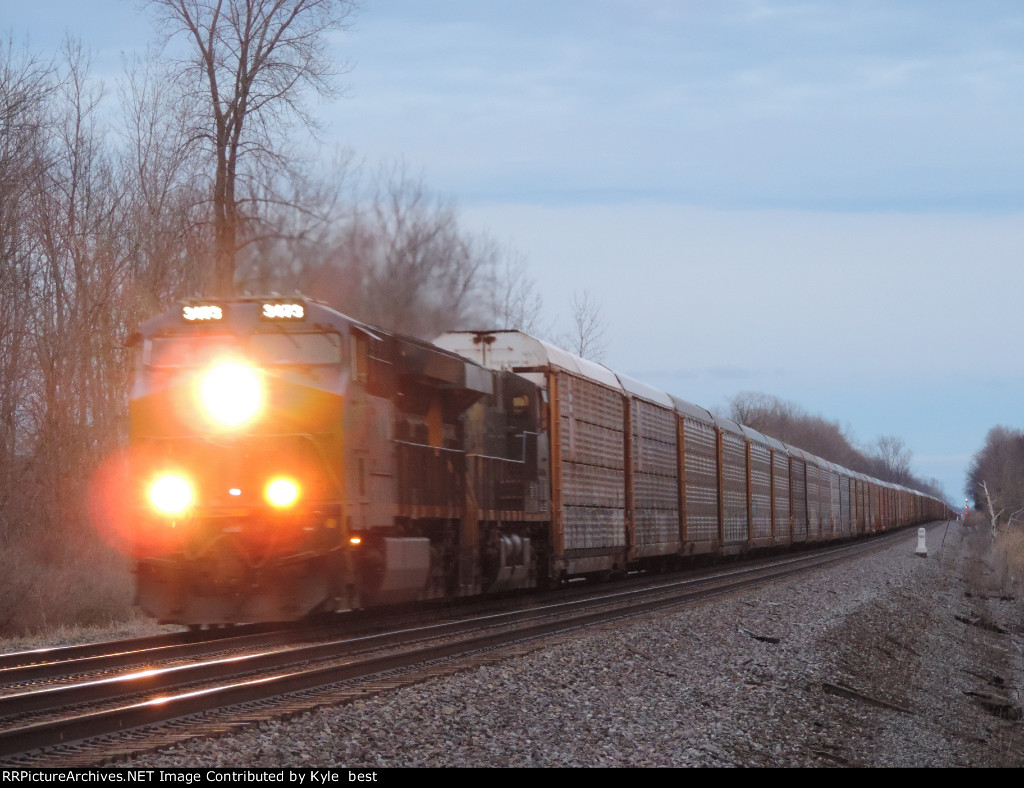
286 460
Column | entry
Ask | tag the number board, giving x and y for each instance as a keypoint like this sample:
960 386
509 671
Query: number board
201 313
282 310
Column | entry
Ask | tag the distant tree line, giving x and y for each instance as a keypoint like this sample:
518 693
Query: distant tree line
888 458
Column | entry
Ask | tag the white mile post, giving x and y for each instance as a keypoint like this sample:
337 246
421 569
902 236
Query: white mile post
921 549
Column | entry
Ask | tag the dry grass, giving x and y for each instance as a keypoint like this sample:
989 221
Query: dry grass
71 634
994 566
50 584
1010 546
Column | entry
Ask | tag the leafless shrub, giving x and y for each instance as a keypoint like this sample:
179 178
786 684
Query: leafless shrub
585 336
53 581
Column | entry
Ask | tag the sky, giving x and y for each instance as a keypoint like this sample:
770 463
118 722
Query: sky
819 200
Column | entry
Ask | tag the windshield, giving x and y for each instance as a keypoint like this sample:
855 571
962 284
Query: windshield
189 351
265 349
288 348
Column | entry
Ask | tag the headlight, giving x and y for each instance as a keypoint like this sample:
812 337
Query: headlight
281 492
171 494
231 393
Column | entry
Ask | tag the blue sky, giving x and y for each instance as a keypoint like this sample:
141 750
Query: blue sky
818 200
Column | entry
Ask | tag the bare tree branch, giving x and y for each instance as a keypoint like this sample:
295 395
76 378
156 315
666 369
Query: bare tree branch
586 337
252 62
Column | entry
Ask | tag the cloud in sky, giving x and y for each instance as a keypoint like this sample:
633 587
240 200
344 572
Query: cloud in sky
809 105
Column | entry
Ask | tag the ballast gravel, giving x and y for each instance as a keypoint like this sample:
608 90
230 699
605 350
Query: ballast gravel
891 660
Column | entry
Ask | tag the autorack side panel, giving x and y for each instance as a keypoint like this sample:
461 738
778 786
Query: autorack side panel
828 490
813 490
834 499
699 471
862 504
855 510
593 463
760 489
654 470
734 478
780 491
798 492
871 497
853 504
873 519
824 499
844 502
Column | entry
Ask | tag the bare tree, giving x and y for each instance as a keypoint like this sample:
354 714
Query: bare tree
398 258
26 85
77 220
251 62
166 208
893 459
586 337
516 304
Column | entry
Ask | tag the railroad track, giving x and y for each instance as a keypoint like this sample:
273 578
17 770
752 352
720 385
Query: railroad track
93 708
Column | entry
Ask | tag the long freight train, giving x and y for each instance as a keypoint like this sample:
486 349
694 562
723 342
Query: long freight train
286 459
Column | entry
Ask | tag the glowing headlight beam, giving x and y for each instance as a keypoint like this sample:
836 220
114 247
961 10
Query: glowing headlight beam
171 494
231 393
281 492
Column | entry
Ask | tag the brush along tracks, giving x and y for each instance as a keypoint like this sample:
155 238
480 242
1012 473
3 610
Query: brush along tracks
85 719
